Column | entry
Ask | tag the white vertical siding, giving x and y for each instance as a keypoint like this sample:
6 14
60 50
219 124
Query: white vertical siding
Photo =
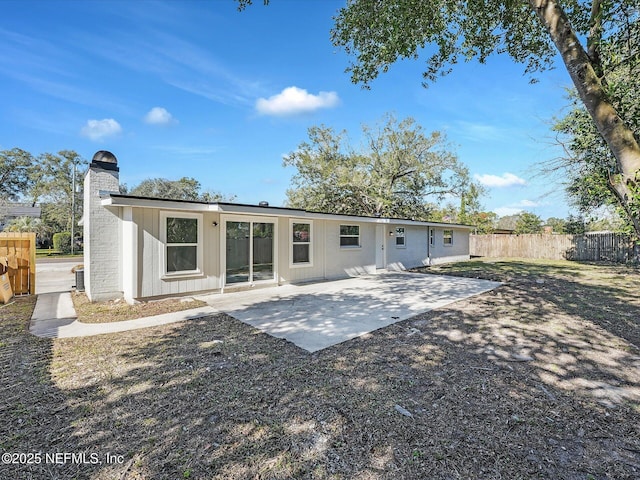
129 255
459 250
329 260
302 273
349 261
414 253
151 283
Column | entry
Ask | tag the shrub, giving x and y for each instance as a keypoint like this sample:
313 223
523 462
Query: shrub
62 242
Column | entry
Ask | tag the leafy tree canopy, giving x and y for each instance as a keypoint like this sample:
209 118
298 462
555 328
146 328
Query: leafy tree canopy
28 224
16 166
575 225
186 188
557 224
52 187
528 223
595 38
393 175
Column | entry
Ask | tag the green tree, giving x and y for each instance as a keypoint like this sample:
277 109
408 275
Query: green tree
557 224
588 168
53 188
447 213
592 37
16 166
469 212
400 168
528 223
29 224
470 205
575 225
484 222
23 224
186 188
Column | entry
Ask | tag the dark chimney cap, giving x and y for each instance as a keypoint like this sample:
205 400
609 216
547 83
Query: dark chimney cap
264 203
104 160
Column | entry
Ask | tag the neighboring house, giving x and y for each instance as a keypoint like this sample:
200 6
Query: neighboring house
141 247
11 211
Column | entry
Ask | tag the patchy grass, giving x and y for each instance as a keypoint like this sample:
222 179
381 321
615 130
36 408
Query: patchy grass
119 310
539 378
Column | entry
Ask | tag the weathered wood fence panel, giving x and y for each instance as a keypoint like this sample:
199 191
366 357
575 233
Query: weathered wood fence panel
604 247
18 257
600 247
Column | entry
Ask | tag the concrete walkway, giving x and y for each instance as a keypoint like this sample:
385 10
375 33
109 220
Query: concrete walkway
312 316
54 315
68 326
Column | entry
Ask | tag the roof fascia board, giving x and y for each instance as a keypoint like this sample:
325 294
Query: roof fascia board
153 203
242 209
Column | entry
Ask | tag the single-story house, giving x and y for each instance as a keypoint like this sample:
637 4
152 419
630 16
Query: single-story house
141 247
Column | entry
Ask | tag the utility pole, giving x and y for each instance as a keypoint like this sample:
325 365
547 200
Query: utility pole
73 206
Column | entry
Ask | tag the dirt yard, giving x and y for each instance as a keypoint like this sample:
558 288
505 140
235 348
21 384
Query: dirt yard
539 378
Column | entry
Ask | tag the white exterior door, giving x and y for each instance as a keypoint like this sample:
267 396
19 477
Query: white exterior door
380 242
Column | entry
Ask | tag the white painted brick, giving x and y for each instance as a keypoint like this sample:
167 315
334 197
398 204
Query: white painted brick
102 233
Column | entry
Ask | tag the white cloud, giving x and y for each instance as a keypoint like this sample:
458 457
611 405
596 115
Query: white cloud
516 208
481 132
294 100
506 211
159 116
100 129
506 180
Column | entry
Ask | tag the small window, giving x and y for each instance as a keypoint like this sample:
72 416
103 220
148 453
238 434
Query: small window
448 237
300 243
432 237
400 239
182 235
349 235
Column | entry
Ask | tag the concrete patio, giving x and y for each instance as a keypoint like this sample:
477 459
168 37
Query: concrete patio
313 316
317 315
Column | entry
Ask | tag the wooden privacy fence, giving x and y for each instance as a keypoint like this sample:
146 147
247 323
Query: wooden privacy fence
18 259
598 247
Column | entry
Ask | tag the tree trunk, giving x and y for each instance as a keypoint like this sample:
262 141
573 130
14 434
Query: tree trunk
618 136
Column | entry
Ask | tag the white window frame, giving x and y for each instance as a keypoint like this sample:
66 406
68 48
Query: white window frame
164 215
446 237
402 235
292 243
432 237
340 236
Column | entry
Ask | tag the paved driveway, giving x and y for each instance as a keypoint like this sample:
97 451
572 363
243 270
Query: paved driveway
316 316
54 275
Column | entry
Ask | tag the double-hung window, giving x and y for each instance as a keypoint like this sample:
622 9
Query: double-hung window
448 237
349 236
181 234
400 238
301 253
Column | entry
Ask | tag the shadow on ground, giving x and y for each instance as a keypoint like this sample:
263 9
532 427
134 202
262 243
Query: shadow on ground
520 382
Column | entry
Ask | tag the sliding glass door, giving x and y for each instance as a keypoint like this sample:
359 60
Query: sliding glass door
249 252
262 247
238 243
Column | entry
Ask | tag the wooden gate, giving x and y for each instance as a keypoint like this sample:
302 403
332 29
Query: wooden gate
18 259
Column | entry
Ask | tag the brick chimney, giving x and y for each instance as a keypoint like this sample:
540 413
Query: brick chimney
102 230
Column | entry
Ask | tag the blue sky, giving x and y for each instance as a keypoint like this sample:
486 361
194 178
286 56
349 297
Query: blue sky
196 88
